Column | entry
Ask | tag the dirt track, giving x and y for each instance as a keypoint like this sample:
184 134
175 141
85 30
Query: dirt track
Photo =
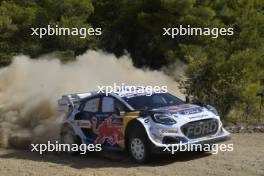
246 159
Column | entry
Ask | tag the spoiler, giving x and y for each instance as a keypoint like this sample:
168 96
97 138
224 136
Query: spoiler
67 102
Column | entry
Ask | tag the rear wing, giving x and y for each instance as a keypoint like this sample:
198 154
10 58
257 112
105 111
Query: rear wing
67 102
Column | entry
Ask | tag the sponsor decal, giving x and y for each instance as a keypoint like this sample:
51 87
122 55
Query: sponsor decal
199 116
185 109
202 128
190 111
106 131
83 123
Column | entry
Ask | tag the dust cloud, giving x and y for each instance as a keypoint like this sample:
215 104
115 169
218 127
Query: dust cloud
30 88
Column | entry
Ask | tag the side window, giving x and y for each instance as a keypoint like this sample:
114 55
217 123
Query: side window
92 105
120 106
108 104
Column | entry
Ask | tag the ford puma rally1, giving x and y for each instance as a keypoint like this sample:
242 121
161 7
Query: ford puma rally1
138 123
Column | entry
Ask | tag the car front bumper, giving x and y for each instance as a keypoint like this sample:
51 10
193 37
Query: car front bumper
223 136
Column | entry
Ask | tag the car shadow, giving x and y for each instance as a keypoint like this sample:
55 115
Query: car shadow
100 160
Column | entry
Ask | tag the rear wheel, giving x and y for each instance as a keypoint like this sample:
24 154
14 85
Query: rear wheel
68 137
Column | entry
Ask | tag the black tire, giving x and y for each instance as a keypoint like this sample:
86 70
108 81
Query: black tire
139 147
67 133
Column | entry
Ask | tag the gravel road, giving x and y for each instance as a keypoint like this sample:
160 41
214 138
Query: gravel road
246 159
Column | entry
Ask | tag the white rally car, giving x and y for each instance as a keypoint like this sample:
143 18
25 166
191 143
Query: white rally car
137 123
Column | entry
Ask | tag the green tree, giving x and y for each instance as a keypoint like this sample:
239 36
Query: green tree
15 28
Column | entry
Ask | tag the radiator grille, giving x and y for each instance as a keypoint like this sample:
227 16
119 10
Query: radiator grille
200 128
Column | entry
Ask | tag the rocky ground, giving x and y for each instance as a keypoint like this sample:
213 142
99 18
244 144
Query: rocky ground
246 159
245 128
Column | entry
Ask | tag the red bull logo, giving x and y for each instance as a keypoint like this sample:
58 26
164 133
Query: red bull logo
106 131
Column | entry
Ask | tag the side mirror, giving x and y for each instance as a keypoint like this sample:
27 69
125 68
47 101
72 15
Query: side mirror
78 116
199 103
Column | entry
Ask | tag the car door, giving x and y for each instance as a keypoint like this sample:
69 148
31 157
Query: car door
110 123
86 118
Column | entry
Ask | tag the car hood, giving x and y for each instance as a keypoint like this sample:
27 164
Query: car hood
186 111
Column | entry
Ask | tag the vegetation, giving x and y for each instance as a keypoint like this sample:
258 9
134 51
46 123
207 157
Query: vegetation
226 72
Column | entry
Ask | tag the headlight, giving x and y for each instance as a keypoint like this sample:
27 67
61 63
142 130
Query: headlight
212 109
163 119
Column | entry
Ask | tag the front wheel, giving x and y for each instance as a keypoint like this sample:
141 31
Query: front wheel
139 148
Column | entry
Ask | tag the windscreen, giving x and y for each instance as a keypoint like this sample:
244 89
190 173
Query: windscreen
153 101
